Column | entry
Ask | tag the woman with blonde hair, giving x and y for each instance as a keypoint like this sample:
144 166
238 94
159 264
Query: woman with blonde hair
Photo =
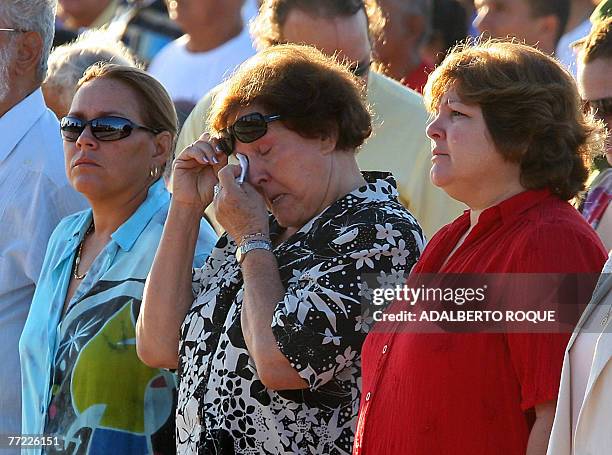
82 380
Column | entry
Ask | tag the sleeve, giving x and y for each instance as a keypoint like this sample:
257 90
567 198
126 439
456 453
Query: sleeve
537 359
318 324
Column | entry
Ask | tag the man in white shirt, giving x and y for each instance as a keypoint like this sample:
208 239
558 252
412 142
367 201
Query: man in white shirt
214 43
34 191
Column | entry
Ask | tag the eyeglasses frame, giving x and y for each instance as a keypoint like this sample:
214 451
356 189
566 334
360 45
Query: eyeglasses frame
133 125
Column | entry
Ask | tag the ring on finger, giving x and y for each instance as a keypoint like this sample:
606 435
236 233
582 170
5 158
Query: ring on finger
216 189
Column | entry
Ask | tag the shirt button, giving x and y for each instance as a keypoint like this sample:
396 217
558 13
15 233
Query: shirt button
368 396
385 347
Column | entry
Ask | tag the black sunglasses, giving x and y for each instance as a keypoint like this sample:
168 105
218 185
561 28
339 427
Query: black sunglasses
109 128
600 108
246 129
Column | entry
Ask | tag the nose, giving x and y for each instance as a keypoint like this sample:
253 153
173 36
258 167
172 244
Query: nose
435 129
257 173
86 139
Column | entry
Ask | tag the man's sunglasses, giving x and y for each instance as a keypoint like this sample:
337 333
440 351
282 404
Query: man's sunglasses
103 128
246 129
601 108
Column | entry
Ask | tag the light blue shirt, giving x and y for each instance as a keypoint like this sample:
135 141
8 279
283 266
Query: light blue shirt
34 197
125 262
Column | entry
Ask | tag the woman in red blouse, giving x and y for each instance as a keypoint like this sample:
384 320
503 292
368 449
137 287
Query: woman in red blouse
509 140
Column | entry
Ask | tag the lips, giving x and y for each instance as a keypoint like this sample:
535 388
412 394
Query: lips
84 161
436 152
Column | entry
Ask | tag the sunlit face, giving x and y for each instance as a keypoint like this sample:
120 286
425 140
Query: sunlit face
83 10
193 13
291 172
502 18
346 37
110 170
464 158
594 83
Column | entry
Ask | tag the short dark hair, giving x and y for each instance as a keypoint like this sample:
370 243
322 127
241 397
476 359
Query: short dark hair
598 43
266 28
314 95
531 107
558 8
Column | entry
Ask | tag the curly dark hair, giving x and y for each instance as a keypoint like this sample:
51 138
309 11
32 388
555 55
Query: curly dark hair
531 107
314 95
266 28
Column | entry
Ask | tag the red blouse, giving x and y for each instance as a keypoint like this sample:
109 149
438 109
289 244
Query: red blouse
474 393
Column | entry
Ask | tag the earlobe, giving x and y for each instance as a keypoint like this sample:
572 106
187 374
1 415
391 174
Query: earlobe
28 53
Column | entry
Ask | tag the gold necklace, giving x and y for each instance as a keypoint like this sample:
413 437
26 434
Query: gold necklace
77 259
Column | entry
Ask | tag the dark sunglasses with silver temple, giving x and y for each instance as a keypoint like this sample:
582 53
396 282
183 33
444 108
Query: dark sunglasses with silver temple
246 129
108 128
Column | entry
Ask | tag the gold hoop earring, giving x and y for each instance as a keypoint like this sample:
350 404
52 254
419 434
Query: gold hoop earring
154 172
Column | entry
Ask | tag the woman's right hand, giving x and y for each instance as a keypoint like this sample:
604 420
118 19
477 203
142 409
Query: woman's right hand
194 172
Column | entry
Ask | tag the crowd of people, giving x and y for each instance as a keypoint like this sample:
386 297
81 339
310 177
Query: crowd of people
197 196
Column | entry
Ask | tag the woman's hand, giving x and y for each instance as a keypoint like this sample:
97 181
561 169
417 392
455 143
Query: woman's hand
240 209
195 172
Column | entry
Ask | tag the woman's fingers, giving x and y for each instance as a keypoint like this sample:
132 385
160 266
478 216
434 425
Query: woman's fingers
204 152
227 176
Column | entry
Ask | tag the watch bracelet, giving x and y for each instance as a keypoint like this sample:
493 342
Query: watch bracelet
254 236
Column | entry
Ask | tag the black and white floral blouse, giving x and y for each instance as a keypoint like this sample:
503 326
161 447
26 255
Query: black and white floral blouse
223 408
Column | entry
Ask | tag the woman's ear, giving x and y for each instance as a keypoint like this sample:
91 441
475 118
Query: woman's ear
163 146
329 142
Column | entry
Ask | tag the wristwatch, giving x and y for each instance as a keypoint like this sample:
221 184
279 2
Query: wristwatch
249 245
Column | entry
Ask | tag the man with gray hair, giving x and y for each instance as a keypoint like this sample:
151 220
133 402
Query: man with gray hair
68 62
406 31
35 193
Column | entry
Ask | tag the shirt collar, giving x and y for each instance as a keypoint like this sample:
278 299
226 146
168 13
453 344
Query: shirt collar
128 232
506 211
515 206
15 124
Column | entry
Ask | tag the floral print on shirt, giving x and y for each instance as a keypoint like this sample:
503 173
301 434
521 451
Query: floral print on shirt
223 407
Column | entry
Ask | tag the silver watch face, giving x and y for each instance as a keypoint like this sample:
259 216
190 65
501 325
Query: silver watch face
239 254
